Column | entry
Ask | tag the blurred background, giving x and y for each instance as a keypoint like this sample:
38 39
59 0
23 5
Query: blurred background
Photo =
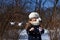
14 13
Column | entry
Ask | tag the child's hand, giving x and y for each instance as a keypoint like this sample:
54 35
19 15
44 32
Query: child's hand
40 28
31 29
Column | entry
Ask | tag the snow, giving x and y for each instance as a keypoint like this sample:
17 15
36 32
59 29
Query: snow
12 23
23 35
19 24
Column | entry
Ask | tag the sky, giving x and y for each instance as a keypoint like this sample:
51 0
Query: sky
30 6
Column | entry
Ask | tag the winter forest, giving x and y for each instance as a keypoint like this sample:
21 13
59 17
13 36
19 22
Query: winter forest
15 12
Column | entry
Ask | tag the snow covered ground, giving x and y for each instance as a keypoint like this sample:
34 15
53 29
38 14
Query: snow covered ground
24 36
45 36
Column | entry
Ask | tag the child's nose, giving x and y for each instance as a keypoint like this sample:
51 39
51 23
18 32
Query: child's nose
34 19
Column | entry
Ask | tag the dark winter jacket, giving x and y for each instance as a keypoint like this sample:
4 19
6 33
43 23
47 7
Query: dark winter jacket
35 34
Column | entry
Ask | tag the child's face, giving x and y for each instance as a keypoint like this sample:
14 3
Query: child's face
34 21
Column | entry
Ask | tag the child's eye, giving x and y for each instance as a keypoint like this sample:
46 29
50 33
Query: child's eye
34 20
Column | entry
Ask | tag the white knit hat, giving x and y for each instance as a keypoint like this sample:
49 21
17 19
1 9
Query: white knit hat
33 14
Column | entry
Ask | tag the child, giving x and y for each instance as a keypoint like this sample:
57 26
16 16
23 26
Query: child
33 27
